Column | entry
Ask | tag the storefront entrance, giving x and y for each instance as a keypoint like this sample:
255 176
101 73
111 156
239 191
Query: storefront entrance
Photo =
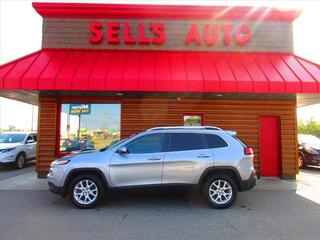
269 146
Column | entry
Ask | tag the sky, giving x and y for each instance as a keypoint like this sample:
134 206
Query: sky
20 34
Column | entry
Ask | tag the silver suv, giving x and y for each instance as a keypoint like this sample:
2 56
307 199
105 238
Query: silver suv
212 159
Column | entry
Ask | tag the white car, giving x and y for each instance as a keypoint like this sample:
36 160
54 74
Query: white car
16 148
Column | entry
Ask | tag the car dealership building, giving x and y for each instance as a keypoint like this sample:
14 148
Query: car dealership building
106 71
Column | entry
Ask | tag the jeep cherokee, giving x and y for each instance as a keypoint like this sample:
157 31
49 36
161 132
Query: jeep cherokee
213 159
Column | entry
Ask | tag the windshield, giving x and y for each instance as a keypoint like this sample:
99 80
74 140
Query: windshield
308 139
12 138
116 143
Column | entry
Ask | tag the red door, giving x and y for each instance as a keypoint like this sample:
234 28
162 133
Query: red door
269 146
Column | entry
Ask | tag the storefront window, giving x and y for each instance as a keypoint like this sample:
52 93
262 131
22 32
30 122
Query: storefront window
192 120
85 126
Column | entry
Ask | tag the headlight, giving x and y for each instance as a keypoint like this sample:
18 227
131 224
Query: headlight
7 150
311 150
60 162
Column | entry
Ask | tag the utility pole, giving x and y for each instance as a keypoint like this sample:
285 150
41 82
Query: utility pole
32 108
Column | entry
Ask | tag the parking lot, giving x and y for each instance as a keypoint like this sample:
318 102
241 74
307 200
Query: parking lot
275 209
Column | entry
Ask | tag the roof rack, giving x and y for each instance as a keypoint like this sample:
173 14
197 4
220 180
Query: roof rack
185 128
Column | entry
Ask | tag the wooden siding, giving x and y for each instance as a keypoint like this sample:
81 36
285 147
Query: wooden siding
140 114
237 115
47 126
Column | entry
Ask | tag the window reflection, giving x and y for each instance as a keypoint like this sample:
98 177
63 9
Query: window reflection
85 127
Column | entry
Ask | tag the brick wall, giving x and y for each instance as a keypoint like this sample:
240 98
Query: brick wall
74 33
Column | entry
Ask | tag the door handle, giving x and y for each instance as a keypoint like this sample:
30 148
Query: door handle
154 158
203 156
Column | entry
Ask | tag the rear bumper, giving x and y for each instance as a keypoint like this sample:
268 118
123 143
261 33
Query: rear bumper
248 184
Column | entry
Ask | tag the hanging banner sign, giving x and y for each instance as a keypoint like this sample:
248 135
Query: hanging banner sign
79 109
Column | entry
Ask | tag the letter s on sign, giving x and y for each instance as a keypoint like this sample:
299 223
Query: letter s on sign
96 30
242 35
158 32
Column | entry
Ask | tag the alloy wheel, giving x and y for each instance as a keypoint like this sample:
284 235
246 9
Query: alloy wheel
220 191
85 191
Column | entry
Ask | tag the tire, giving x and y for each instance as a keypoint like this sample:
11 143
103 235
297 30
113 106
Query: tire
20 160
83 196
220 191
302 161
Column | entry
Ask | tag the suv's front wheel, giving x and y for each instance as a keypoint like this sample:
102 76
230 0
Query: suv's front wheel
220 191
85 191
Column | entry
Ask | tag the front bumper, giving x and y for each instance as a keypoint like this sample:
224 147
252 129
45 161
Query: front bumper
6 163
248 184
58 190
6 159
56 179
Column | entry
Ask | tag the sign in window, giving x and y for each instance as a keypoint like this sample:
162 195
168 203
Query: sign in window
78 109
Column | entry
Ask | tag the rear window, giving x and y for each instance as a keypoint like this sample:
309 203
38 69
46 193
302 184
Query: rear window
186 141
241 142
215 141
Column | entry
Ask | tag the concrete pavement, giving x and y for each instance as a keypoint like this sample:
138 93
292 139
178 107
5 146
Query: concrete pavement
11 171
274 210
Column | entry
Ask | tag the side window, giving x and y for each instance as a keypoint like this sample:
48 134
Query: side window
186 141
215 141
29 138
146 144
35 137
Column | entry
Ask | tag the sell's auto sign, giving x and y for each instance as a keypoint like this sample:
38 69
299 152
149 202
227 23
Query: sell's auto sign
117 33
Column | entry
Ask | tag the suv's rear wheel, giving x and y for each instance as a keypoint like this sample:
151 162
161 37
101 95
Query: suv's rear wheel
86 190
220 191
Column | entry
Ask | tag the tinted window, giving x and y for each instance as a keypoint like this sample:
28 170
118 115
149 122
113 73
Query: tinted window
146 144
186 141
215 141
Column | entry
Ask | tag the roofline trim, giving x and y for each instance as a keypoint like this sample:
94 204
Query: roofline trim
143 11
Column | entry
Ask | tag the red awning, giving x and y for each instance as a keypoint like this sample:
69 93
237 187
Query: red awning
161 71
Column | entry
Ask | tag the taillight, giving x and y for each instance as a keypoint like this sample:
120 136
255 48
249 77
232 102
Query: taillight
248 151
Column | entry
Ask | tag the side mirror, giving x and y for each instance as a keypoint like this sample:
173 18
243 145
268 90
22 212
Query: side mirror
30 141
122 150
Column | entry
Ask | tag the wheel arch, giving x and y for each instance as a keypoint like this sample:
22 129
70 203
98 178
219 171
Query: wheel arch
226 170
79 171
21 152
300 152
